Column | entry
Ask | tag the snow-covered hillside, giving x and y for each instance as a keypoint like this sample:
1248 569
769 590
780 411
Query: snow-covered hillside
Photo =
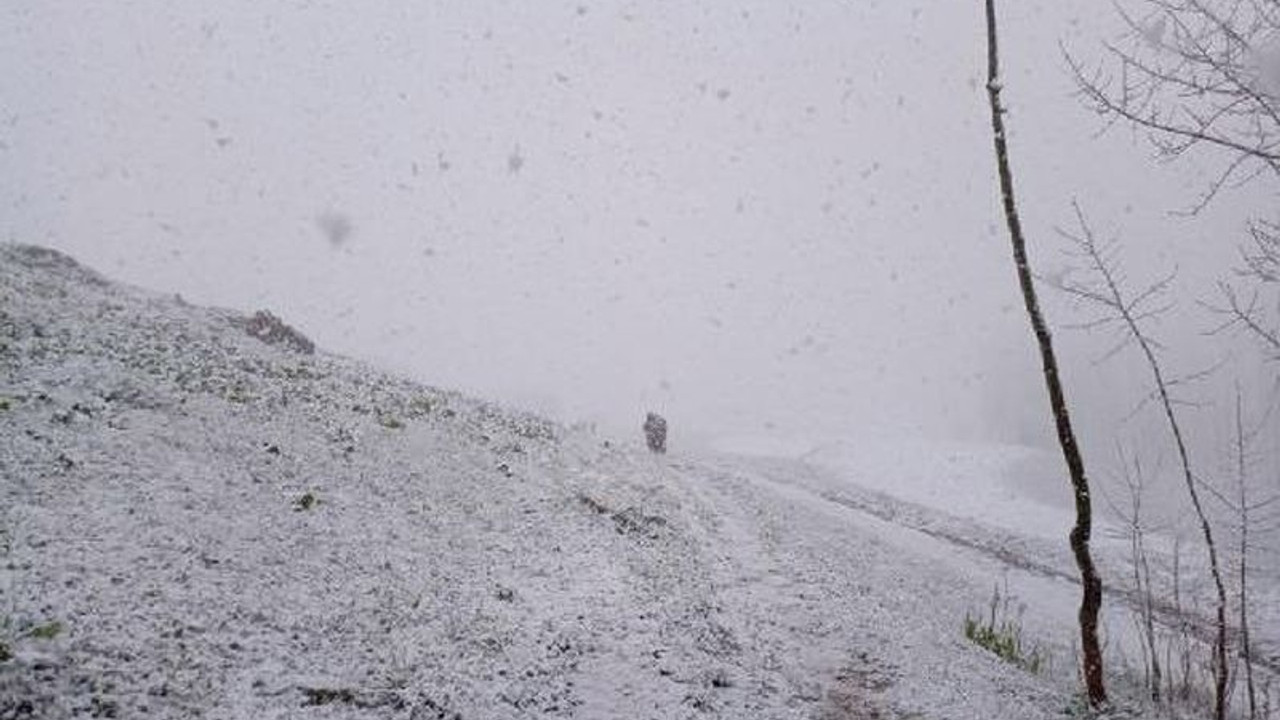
201 518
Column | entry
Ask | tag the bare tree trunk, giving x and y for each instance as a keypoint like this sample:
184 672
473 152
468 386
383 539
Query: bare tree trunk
1220 642
1241 477
1091 600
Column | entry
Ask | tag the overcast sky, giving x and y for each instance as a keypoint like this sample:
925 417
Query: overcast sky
771 215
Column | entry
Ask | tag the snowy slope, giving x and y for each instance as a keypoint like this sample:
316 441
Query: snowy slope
1003 512
198 523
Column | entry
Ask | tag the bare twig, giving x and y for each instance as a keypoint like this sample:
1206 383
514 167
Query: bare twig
1205 74
1106 291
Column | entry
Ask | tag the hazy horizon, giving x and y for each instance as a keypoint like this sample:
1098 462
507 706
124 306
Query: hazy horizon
757 217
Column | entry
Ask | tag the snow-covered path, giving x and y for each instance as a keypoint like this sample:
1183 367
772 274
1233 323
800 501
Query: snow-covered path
870 610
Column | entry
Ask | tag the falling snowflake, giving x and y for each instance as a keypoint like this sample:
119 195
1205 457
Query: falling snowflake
335 226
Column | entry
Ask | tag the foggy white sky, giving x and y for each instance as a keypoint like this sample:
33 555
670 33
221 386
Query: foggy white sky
737 213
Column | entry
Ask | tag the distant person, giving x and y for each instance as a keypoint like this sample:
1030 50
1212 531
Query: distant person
655 432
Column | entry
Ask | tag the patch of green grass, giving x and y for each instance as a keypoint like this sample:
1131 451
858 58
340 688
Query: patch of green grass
306 501
47 631
419 407
101 707
389 421
5 653
1078 708
1001 633
298 372
238 395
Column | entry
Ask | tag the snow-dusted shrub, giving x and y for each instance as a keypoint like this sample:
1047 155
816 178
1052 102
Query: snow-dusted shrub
655 432
306 501
272 330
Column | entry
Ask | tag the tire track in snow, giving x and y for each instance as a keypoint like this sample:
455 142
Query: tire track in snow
1006 549
785 599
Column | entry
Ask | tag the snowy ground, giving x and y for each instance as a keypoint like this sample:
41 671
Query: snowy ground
195 523
1004 512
